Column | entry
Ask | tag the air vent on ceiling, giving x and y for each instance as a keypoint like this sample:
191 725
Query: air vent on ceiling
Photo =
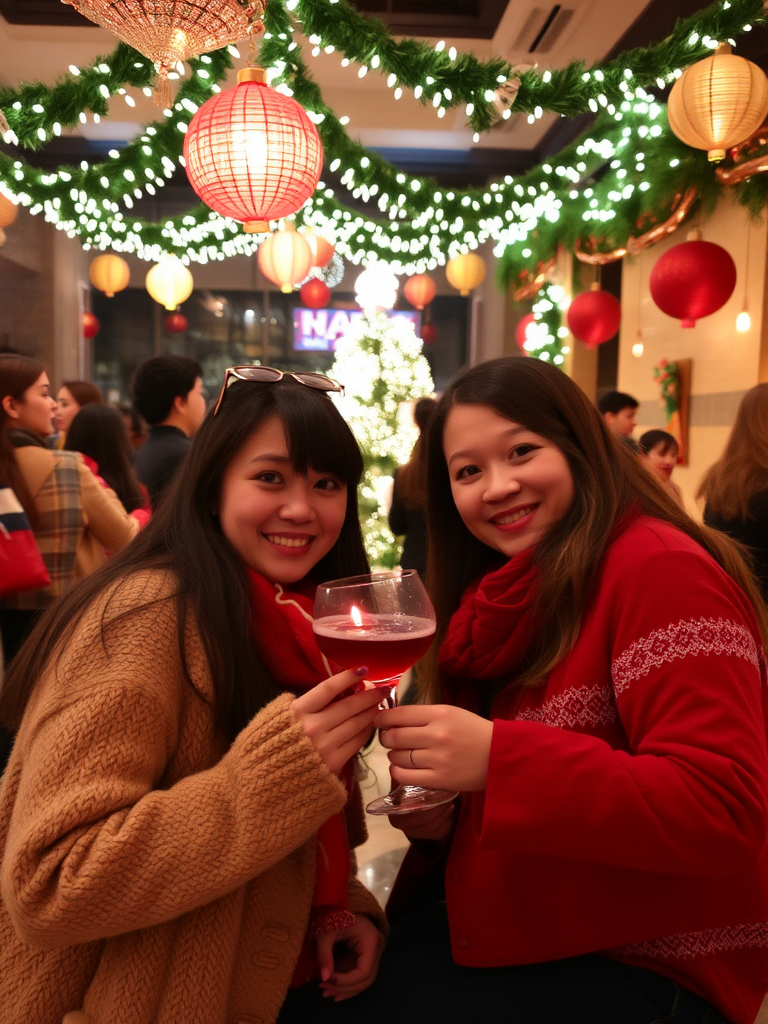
542 28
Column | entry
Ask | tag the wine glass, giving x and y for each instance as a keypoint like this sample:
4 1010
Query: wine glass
386 621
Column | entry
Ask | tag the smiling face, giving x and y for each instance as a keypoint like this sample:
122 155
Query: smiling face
66 410
34 411
280 522
509 484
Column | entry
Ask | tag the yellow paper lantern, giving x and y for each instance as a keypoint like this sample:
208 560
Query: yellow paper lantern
717 103
169 282
465 272
9 211
285 258
109 273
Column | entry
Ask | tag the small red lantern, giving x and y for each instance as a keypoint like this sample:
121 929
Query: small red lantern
315 293
91 325
176 323
692 280
523 331
252 153
420 290
594 316
428 333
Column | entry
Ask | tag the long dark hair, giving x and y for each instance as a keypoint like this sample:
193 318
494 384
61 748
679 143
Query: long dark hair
742 471
98 431
184 537
608 481
17 374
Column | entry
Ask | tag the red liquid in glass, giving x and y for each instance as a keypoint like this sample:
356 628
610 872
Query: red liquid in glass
387 644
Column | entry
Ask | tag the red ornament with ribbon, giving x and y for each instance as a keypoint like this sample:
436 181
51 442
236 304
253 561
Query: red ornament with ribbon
692 280
594 317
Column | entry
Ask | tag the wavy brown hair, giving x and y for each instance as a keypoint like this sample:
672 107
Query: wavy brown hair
17 374
412 477
742 470
184 537
608 483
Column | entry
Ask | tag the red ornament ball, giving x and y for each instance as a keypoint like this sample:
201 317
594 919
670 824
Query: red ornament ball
522 330
594 317
315 293
91 325
692 280
428 333
252 153
176 323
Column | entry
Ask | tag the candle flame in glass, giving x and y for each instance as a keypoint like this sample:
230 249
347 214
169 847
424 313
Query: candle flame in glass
357 618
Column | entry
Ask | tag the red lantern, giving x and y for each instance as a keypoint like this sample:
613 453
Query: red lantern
420 290
322 250
523 331
91 325
176 323
692 280
315 293
252 153
594 316
428 333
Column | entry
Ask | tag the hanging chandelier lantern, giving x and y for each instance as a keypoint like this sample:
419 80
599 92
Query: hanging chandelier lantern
594 317
109 273
174 30
718 102
692 280
465 272
169 282
322 250
285 258
91 325
420 290
9 211
315 294
252 153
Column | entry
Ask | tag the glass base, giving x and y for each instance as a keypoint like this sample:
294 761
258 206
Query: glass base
406 799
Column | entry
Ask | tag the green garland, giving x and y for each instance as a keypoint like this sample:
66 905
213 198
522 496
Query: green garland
422 225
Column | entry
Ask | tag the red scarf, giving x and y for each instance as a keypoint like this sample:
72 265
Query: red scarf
282 624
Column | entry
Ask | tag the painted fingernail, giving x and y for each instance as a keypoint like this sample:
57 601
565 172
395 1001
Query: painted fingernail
362 671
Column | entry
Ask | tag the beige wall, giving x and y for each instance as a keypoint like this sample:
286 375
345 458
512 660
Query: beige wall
724 363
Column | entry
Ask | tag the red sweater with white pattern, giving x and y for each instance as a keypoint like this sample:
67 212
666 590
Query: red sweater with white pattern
626 810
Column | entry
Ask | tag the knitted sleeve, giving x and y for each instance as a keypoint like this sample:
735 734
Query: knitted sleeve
100 841
689 792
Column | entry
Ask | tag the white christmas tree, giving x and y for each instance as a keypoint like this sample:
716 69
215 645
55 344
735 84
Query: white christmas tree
381 365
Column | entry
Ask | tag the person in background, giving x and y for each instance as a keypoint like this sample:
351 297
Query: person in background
73 519
73 395
407 516
735 488
619 412
178 814
135 427
658 453
168 394
98 433
599 690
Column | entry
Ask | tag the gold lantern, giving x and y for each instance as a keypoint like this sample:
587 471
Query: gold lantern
9 211
465 272
718 102
109 273
169 282
174 30
285 258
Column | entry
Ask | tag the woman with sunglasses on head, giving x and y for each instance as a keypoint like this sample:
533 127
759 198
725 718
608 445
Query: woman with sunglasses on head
177 814
598 683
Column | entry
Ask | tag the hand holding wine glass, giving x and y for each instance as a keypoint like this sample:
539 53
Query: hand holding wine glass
386 621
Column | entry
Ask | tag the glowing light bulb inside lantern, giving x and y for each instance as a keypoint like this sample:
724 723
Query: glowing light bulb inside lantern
743 322
251 148
637 349
376 288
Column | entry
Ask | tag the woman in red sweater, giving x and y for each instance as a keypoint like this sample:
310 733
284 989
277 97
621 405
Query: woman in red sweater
597 689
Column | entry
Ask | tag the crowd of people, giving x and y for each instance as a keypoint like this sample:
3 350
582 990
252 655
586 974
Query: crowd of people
181 804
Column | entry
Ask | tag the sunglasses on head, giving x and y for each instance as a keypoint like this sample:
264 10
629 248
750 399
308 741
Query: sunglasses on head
269 375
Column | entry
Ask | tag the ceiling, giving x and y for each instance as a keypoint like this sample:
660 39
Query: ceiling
40 38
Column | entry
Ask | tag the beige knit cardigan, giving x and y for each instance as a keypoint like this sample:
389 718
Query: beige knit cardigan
150 875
